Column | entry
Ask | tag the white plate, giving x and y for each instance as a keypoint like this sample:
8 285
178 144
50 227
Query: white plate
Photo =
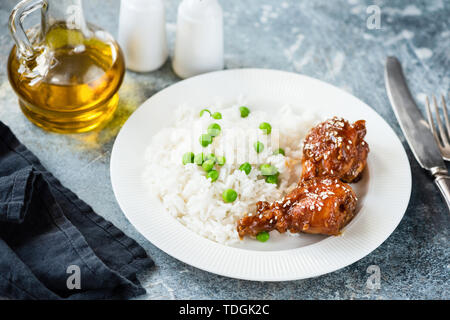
384 192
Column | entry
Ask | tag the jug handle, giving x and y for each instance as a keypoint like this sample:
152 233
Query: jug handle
19 13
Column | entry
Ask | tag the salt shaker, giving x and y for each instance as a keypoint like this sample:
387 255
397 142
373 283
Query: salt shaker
142 34
199 38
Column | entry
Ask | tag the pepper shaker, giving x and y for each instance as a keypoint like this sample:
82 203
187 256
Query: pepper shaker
142 34
199 38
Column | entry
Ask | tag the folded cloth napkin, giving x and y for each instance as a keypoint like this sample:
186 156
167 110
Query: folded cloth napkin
52 244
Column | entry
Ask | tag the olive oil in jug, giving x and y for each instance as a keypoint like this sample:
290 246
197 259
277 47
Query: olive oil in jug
65 72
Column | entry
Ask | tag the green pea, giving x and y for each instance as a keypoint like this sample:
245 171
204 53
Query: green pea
272 179
205 140
217 115
246 167
268 170
263 236
244 111
188 157
214 130
265 127
279 151
208 165
199 158
229 195
221 160
203 111
259 146
212 157
213 175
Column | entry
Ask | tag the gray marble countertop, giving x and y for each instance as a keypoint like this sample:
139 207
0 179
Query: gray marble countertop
328 40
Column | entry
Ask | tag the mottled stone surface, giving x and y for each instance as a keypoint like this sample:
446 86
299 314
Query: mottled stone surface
328 40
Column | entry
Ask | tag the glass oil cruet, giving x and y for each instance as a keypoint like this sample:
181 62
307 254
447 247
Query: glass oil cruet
65 71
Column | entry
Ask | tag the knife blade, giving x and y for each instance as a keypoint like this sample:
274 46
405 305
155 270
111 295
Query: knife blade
415 128
412 122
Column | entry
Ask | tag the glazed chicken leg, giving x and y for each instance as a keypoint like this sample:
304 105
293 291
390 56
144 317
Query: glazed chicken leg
317 205
335 148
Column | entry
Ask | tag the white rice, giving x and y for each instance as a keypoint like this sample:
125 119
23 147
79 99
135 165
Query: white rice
194 200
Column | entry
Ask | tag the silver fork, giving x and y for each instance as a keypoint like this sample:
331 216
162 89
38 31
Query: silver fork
441 134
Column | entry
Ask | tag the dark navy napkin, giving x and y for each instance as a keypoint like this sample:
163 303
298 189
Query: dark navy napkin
49 237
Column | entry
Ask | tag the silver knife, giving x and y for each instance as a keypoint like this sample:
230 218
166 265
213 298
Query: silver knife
415 128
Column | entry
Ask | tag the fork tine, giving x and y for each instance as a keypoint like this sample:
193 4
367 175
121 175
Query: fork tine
442 134
447 123
431 122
